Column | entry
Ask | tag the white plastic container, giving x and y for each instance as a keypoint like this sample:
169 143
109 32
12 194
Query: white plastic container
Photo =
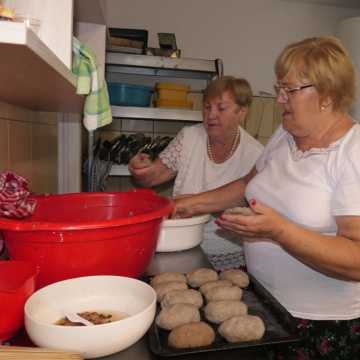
181 234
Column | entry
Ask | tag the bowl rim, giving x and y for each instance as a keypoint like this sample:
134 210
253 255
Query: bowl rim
195 220
27 224
27 315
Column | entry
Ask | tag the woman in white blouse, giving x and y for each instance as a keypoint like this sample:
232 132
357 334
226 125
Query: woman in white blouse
303 240
205 156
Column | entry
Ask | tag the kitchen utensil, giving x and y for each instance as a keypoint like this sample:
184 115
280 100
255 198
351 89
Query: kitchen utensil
181 234
81 234
17 283
131 302
74 317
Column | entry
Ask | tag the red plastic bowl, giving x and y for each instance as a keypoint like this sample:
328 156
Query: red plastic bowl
84 234
17 283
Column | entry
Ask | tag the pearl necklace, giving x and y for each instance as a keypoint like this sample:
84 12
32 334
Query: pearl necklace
230 153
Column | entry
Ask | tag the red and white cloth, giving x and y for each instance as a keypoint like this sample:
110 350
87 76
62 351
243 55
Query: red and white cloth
14 196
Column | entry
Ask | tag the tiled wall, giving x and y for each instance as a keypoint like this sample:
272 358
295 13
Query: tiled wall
263 119
28 146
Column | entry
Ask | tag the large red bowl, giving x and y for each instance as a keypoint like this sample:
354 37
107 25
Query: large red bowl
17 283
84 234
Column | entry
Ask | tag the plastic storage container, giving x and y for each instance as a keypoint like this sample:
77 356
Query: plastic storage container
172 91
81 234
129 95
17 283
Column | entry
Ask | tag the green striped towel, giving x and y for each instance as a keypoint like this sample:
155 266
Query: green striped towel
97 109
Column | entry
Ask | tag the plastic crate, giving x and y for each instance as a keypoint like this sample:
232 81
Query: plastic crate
129 95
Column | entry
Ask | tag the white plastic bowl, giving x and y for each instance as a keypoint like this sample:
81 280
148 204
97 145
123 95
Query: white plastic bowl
114 294
181 234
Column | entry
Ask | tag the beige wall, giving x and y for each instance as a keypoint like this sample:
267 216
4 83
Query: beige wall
28 146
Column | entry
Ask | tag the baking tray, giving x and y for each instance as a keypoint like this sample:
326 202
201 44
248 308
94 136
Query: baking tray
280 326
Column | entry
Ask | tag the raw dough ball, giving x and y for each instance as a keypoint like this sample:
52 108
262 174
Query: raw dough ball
242 328
191 335
240 210
163 288
213 284
236 276
201 276
189 296
223 293
219 311
166 277
177 314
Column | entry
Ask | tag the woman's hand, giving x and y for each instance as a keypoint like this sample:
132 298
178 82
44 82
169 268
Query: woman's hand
266 222
184 206
140 165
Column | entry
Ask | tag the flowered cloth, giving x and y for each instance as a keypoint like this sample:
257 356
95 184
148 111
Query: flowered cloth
14 196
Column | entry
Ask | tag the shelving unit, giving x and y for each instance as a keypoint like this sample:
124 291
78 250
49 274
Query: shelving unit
158 66
35 77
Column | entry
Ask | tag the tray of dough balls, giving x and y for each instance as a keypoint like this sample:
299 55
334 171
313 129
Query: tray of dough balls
205 310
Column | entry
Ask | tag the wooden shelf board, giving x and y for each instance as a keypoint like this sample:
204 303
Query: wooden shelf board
32 75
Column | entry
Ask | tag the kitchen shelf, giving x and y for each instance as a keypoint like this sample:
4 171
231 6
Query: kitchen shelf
162 66
32 75
131 112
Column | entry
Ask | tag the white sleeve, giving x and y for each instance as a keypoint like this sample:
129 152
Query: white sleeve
346 200
261 161
171 155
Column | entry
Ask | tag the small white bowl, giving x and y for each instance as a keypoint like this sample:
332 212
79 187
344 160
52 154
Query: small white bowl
181 234
103 294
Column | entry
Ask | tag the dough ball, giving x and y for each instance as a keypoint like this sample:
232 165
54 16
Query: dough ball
237 277
240 210
163 288
176 315
213 284
191 335
219 311
242 328
189 296
166 277
223 293
201 276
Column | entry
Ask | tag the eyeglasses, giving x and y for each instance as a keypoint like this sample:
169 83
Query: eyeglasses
286 91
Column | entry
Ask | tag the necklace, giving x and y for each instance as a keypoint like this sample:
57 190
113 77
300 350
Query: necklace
230 153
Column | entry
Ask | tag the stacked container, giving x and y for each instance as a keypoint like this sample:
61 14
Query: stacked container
172 95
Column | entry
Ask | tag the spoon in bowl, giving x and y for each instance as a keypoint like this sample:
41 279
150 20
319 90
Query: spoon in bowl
74 317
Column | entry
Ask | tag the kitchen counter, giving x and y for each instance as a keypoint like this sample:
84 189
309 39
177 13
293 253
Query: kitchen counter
182 261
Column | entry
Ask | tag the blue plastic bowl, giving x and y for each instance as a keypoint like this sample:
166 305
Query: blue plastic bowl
129 95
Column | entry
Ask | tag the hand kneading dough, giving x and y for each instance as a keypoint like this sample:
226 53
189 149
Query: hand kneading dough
240 210
242 328
213 284
177 314
191 335
236 276
189 296
166 277
219 311
163 288
223 293
201 276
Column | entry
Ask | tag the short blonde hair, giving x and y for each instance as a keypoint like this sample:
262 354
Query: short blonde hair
326 64
239 88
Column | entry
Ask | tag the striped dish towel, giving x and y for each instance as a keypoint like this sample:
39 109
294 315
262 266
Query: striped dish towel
14 196
97 110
